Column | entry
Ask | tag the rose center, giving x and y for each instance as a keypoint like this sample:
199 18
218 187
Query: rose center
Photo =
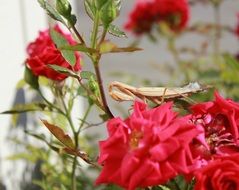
135 138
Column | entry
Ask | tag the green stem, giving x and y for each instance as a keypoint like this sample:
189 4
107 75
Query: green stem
100 82
67 114
95 30
84 118
78 35
96 58
49 103
103 36
73 174
74 165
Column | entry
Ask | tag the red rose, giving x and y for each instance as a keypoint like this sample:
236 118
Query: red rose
219 122
147 149
149 12
222 173
237 27
43 51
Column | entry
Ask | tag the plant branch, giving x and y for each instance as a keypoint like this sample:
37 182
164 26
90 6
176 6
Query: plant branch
100 82
49 103
95 30
73 174
78 35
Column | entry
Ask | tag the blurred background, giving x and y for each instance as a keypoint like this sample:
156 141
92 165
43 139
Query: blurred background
22 19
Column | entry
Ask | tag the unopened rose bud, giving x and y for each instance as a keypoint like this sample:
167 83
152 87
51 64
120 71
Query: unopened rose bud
64 8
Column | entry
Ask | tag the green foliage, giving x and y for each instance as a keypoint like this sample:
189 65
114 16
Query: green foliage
31 79
87 75
64 8
60 41
90 8
64 70
78 47
179 183
115 31
22 108
108 10
50 10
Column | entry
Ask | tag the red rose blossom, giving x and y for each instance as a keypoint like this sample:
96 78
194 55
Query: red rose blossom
147 149
222 173
237 27
43 51
219 122
149 12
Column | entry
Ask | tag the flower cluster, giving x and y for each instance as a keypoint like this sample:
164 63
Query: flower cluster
148 148
43 51
153 146
149 12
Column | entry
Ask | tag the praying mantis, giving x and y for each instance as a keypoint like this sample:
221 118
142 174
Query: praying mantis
123 92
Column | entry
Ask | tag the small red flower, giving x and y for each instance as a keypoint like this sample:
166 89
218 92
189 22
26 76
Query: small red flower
43 51
149 12
219 122
222 173
147 149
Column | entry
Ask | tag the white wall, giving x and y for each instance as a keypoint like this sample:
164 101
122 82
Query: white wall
20 21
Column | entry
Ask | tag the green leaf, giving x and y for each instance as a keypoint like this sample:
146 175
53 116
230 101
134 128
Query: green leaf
115 31
22 108
231 61
109 12
87 75
90 8
63 70
60 134
60 41
78 47
51 11
100 3
31 79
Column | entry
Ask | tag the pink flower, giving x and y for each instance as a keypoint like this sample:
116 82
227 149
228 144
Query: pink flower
149 12
146 149
43 51
219 122
222 173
